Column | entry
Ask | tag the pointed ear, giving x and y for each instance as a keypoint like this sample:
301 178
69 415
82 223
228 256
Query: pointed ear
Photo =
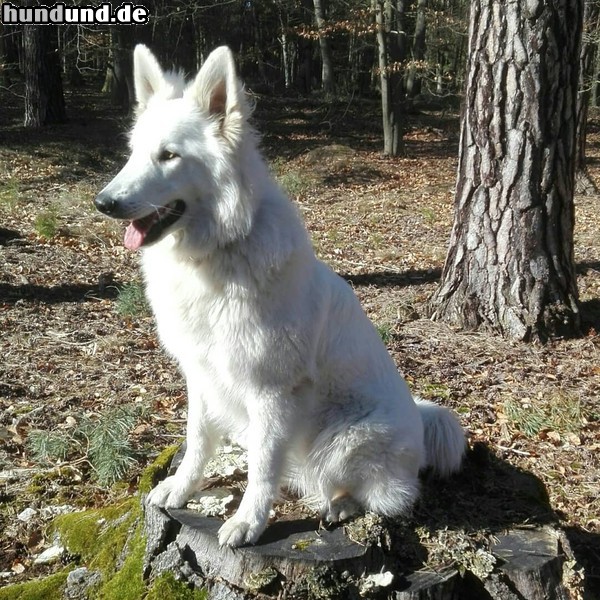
148 77
218 90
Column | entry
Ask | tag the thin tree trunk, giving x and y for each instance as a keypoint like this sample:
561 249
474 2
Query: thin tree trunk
397 48
119 72
413 80
439 77
589 47
44 100
284 41
390 83
327 80
596 80
4 75
384 78
510 266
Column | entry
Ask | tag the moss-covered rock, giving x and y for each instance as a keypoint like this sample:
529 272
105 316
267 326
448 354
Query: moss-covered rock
157 470
48 588
99 536
165 587
110 541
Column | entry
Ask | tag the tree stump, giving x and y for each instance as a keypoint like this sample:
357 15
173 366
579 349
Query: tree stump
367 557
297 560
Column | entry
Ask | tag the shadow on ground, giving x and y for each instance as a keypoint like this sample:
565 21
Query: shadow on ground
394 278
491 495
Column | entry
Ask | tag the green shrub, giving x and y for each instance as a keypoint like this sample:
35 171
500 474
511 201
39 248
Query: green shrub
131 301
105 442
46 223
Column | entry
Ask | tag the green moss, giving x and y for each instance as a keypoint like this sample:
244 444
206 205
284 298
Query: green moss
166 586
432 389
302 544
261 581
63 484
49 588
99 536
320 583
110 540
43 480
157 470
127 583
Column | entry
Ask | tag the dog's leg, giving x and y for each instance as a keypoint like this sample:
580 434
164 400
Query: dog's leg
366 467
267 444
201 439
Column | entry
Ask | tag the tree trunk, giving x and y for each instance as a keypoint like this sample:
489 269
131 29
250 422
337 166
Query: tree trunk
391 106
325 46
119 71
396 17
384 78
5 79
296 560
589 47
413 80
286 65
44 100
510 265
304 75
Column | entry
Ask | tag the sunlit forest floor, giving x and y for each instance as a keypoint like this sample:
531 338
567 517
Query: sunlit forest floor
78 344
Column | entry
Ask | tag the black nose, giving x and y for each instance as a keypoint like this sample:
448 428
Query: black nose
106 204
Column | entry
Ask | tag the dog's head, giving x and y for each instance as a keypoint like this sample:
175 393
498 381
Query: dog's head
180 178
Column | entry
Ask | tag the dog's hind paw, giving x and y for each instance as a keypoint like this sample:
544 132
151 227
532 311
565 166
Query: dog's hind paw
170 493
339 509
237 532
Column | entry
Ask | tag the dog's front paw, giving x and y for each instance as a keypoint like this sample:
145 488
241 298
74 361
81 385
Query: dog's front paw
236 532
170 493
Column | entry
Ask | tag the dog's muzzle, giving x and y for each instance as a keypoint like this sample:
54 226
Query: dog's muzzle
108 205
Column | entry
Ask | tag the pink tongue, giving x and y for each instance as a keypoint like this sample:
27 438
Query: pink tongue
134 235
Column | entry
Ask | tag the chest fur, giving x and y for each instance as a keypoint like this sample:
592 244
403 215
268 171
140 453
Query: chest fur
205 324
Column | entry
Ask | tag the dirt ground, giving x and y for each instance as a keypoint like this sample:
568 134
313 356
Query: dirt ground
75 349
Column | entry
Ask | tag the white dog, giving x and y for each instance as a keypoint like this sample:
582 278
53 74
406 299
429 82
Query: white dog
276 350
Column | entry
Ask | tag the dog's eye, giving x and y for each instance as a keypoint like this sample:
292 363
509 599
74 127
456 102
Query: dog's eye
166 155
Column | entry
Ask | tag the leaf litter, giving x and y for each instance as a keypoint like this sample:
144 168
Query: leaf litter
70 354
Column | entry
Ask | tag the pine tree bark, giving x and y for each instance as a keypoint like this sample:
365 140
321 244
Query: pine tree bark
510 265
44 100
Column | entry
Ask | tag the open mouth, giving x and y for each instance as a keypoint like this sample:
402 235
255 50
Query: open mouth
149 229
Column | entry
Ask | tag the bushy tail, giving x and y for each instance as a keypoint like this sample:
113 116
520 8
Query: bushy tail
445 442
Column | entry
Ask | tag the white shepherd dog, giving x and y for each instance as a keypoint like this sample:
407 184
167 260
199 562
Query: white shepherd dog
276 350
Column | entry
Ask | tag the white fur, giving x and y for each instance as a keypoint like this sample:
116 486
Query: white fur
275 348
